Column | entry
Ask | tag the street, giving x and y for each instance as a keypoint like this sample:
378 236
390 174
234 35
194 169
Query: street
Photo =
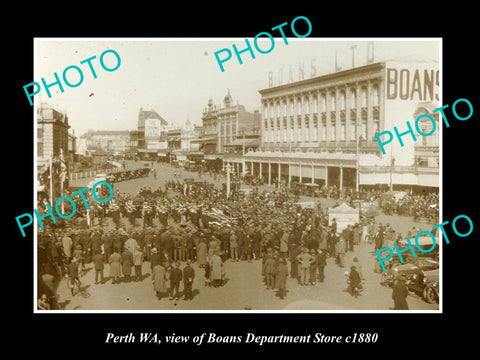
243 288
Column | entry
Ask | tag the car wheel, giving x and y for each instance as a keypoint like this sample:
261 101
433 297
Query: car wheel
429 295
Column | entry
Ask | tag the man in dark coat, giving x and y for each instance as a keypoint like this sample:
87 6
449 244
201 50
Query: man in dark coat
321 263
96 241
281 274
188 276
155 258
294 252
127 263
399 294
117 241
355 281
98 264
168 244
175 278
86 245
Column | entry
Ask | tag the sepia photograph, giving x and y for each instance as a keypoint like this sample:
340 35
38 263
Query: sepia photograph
270 174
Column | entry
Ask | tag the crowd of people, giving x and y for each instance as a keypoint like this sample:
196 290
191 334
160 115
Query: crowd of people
181 224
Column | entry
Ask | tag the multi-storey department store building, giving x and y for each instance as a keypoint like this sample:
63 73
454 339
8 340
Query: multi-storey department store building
322 130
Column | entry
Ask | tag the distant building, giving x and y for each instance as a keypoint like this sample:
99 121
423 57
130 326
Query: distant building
72 147
225 125
52 134
108 140
53 143
322 130
150 139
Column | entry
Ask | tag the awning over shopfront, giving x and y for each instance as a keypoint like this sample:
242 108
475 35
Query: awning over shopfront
207 140
248 142
147 150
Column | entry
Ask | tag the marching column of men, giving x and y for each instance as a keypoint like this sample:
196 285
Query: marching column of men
200 225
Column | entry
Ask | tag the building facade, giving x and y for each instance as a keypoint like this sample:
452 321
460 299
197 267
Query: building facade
108 140
322 130
52 134
223 125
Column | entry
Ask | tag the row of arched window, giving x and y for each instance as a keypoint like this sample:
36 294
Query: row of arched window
323 102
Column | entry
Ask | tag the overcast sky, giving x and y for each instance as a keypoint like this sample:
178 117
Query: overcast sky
176 77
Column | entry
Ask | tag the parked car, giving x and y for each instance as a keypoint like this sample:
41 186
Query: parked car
431 289
413 267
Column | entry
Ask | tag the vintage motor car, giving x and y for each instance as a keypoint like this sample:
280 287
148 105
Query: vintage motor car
425 284
413 266
431 289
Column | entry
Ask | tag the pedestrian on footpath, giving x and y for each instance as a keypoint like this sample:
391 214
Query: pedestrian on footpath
138 258
304 260
269 271
159 274
175 278
115 262
313 267
281 274
400 293
127 263
321 263
340 250
188 276
98 264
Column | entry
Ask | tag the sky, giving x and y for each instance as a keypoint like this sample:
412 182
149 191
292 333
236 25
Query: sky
176 77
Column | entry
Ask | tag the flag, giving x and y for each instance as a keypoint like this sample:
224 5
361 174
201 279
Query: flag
63 168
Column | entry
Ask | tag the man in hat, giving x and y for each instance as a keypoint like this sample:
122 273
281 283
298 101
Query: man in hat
340 250
127 263
400 293
188 276
313 267
137 263
107 239
304 260
168 243
269 268
98 264
281 274
117 241
155 258
72 271
321 263
176 275
131 244
354 281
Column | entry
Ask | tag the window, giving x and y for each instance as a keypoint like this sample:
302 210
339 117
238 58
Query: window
315 105
342 100
333 102
322 103
353 129
323 131
375 96
363 96
353 99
